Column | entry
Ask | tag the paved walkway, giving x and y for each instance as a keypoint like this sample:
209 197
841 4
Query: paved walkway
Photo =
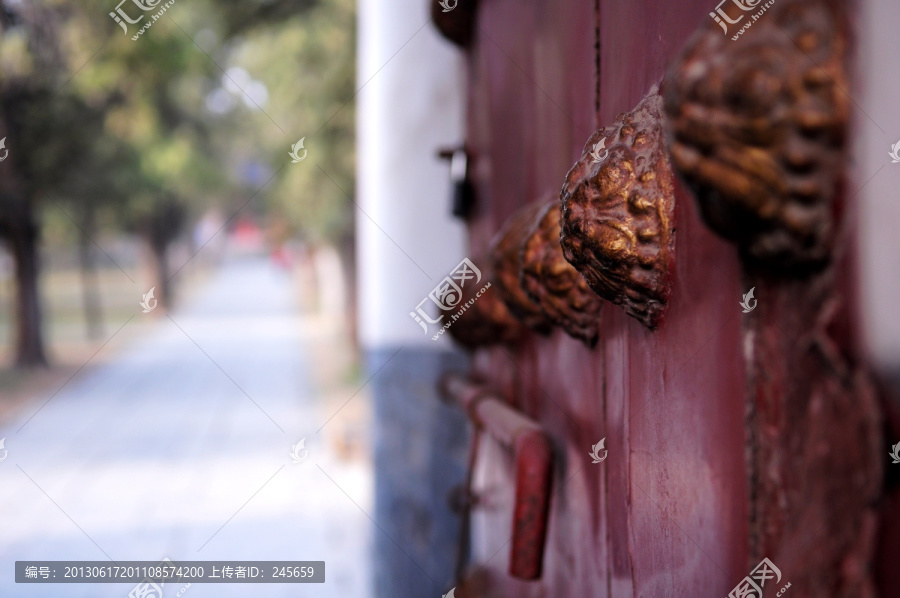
178 445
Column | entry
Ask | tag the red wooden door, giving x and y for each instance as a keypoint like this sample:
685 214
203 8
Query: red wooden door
669 511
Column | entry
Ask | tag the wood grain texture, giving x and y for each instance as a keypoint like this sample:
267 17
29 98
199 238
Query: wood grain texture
666 513
731 436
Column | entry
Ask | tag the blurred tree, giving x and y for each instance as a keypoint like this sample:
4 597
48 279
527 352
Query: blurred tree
308 67
99 173
199 111
33 63
239 16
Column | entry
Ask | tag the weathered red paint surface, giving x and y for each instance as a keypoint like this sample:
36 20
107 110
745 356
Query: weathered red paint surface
666 513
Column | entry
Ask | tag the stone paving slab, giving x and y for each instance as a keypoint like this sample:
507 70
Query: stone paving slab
178 445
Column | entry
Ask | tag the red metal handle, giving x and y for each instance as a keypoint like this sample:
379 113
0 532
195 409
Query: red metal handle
534 468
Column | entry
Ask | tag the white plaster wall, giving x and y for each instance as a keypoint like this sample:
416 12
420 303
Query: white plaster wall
411 103
877 123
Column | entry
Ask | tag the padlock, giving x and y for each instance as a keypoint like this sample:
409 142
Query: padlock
463 190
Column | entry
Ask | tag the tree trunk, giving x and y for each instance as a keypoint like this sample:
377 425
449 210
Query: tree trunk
93 310
162 229
23 237
160 254
347 252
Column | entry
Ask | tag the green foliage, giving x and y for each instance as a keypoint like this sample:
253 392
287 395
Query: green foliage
307 66
96 119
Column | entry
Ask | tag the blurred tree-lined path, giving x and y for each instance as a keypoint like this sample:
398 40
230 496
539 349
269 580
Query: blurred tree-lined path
112 136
